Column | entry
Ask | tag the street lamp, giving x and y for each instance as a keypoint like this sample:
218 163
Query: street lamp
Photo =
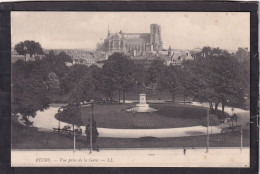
91 124
241 143
59 111
84 109
184 69
207 150
92 108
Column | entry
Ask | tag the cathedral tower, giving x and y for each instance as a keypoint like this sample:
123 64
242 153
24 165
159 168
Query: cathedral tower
155 36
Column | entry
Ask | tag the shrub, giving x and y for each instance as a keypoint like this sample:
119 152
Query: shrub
213 120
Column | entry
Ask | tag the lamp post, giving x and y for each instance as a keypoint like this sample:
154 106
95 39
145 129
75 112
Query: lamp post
59 110
91 125
241 143
207 150
85 106
184 97
74 139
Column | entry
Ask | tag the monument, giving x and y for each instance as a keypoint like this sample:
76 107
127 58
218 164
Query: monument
142 106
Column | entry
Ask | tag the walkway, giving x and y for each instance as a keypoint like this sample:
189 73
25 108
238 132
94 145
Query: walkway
148 157
243 115
46 121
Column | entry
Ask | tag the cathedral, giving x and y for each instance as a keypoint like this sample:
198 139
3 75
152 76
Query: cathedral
139 42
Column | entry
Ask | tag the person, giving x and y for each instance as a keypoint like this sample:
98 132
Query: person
184 151
95 134
235 117
87 132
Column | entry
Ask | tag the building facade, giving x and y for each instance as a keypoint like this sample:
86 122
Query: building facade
139 42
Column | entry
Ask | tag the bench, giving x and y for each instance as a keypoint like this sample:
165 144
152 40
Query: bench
66 131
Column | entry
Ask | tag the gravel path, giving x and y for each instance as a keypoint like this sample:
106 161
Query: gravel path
46 121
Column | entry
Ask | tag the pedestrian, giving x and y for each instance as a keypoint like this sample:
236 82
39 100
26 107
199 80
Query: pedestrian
87 132
184 151
235 117
95 135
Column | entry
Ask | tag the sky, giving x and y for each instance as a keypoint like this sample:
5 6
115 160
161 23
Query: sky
180 30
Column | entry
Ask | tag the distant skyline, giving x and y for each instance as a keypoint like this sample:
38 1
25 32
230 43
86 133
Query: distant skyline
180 30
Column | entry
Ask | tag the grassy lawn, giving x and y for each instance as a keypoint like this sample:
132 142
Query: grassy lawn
167 116
22 138
217 140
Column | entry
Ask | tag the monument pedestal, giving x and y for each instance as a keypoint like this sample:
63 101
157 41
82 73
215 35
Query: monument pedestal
142 106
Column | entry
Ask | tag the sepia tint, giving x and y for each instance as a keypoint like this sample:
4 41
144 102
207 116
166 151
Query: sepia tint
130 89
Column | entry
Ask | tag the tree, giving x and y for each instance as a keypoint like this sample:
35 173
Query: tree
242 54
53 80
202 79
29 97
187 80
84 90
73 77
96 75
98 81
227 81
70 114
139 75
41 70
233 118
79 83
58 63
213 121
244 74
154 72
63 57
28 90
118 74
170 80
219 78
28 47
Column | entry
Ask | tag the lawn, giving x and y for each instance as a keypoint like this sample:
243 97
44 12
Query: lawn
167 116
22 138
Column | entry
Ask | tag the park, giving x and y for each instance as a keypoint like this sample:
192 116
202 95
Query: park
198 104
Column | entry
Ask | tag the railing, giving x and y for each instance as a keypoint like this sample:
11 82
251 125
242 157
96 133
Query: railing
67 132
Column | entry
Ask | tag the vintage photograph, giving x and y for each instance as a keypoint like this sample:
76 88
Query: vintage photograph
130 89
